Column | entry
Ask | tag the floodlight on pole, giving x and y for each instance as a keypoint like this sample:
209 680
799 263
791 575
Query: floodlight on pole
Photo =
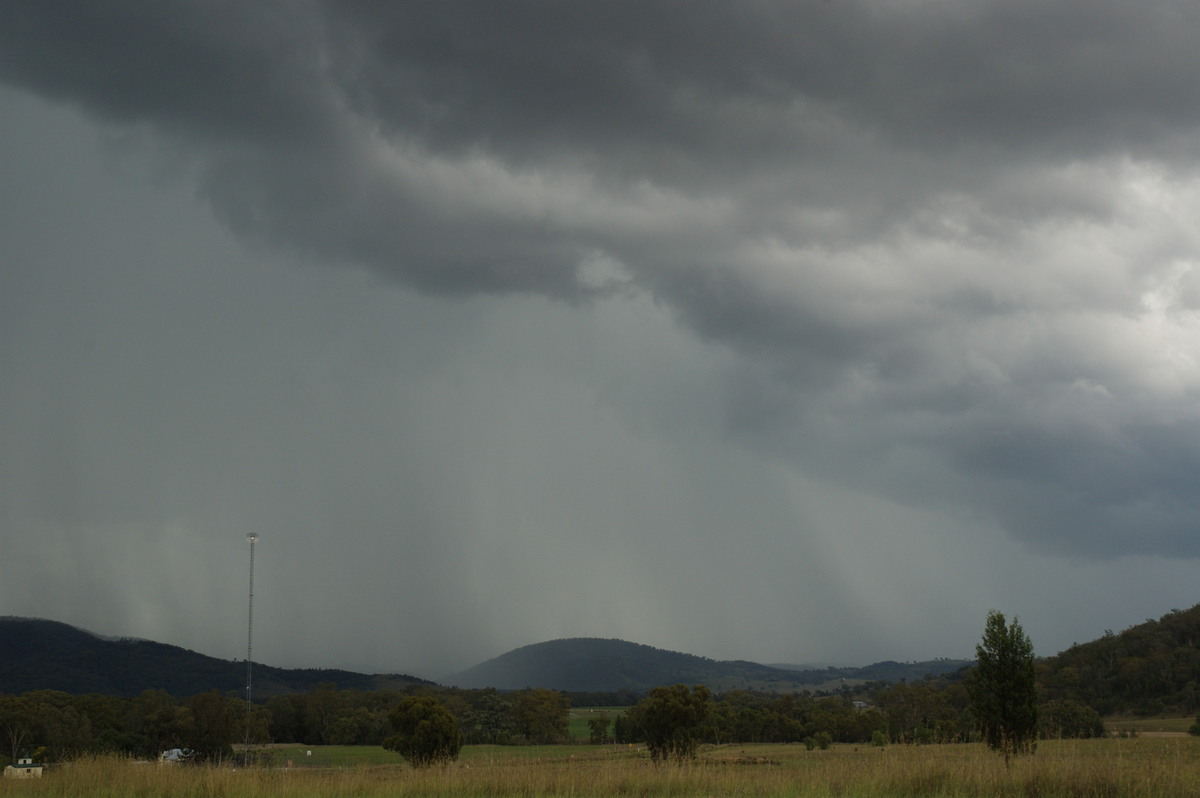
251 538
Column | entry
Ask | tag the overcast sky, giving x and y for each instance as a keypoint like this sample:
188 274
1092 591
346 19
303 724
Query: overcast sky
782 331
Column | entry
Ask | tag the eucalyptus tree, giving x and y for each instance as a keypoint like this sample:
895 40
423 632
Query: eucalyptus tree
426 732
671 720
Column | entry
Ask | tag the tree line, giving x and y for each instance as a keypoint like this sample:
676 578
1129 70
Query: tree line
56 726
50 725
53 725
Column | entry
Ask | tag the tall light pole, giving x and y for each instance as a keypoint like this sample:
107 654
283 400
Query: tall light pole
251 538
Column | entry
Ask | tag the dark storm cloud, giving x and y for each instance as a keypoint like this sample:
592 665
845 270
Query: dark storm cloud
948 233
208 72
684 95
733 84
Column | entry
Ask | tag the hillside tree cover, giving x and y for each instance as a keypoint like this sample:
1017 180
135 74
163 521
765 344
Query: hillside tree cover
1003 689
40 654
1152 668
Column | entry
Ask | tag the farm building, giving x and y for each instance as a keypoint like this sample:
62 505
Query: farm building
24 769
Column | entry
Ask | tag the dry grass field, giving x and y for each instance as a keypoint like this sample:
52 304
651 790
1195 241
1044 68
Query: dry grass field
1141 767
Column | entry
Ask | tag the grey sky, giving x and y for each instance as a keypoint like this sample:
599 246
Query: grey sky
778 331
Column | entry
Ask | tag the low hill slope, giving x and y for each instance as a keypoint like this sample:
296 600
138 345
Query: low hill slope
1152 668
48 655
589 664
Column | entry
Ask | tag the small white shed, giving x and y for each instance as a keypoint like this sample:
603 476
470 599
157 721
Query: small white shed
24 769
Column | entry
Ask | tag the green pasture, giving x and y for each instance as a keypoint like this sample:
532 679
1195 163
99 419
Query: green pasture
328 756
349 756
577 721
1148 725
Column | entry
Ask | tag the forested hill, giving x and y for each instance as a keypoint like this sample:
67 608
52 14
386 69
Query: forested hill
588 664
48 655
1152 668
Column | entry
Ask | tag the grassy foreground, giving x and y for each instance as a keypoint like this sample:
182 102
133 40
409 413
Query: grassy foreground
1133 768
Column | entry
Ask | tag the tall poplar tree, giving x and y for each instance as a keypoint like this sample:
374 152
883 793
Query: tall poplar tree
1002 688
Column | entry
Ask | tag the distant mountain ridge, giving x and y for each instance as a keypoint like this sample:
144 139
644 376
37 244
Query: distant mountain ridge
38 654
589 664
1150 668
